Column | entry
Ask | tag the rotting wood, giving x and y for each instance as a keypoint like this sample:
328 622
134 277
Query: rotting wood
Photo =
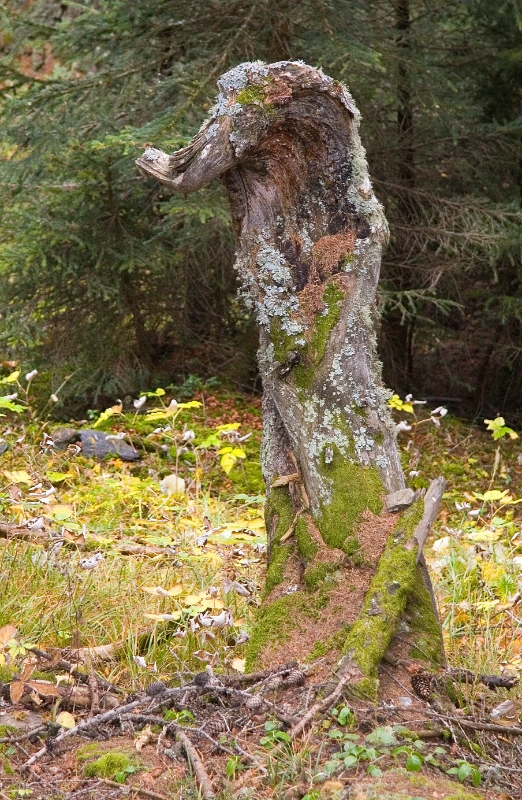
284 140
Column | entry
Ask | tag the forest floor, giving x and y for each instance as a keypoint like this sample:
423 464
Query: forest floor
135 584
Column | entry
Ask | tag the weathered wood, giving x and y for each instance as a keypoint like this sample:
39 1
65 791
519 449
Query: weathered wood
284 140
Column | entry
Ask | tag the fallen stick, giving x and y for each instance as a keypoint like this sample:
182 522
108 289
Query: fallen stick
22 736
135 790
108 716
66 666
322 705
479 726
205 784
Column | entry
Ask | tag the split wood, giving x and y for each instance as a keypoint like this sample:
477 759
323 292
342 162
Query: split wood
205 784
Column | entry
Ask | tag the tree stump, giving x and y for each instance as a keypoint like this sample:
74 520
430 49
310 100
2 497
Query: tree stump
344 535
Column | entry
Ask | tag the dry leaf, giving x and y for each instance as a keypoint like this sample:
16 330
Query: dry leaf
29 668
159 590
239 664
18 476
66 720
45 688
173 486
284 480
7 633
16 690
143 739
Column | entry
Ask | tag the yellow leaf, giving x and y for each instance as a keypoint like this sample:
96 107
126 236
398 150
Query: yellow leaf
227 462
62 511
213 603
159 590
18 476
192 599
107 414
239 664
172 485
66 720
7 633
164 617
12 378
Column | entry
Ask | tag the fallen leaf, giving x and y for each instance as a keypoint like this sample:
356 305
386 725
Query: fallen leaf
45 688
144 738
159 590
192 599
16 690
238 664
7 633
284 480
18 476
172 485
66 720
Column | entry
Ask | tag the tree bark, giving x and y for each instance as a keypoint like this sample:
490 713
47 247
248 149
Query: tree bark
284 139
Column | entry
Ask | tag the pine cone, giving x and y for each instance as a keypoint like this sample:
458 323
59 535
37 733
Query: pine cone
422 684
215 726
153 689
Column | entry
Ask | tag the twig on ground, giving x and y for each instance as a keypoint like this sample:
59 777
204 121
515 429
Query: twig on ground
256 677
202 778
66 666
129 790
22 736
477 725
321 706
95 694
491 681
108 716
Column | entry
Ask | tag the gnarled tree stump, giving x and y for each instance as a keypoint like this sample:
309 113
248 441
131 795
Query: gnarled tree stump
341 567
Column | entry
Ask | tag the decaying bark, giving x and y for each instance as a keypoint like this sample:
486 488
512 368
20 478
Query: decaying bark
284 139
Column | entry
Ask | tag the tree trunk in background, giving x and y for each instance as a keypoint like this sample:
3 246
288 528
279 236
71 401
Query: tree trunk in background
397 334
342 567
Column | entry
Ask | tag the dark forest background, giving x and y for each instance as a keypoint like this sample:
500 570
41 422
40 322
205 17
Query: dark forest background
110 280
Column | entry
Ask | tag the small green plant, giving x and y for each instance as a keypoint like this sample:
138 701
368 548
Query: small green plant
344 715
274 736
233 766
464 770
181 717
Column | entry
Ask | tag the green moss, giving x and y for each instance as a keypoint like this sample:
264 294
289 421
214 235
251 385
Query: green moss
108 765
317 574
88 751
386 598
306 546
354 489
251 95
424 624
313 353
274 623
7 730
276 571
